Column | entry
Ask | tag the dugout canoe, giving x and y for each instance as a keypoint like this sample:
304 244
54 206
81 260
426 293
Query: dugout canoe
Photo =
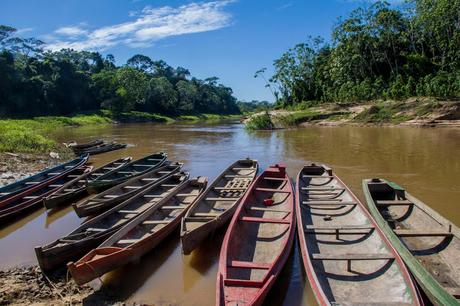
119 193
141 235
217 204
102 148
428 243
95 230
37 181
258 241
128 171
76 189
33 199
76 146
347 258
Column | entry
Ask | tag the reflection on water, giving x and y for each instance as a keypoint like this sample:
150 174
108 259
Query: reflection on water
425 161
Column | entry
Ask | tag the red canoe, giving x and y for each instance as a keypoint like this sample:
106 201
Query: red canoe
347 258
258 241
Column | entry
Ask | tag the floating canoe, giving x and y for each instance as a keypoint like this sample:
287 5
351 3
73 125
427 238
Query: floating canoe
117 194
32 183
217 204
128 171
428 243
75 146
95 230
34 199
258 241
141 235
348 259
77 188
105 147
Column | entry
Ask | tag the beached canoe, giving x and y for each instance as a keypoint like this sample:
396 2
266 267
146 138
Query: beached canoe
95 230
128 171
32 183
119 193
77 188
428 243
258 241
35 199
217 204
347 258
80 146
102 148
141 235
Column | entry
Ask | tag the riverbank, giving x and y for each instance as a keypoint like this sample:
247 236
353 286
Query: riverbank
411 112
31 135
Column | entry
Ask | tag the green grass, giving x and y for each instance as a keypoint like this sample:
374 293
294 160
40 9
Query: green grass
30 135
296 118
384 113
207 117
260 122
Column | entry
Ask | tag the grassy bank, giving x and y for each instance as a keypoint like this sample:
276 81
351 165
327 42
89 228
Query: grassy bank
31 135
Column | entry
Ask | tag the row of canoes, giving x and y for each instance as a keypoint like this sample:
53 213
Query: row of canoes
350 256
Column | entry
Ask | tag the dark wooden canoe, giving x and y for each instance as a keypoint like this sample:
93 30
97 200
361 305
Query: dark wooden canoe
217 204
348 259
102 148
77 188
95 230
32 183
75 146
428 243
34 199
258 241
141 235
117 194
128 171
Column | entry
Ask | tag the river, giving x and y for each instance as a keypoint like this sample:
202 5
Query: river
425 161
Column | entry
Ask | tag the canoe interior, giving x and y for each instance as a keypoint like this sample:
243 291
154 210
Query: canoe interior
93 143
158 216
105 147
222 194
36 196
268 232
39 178
135 168
127 189
347 258
81 239
433 240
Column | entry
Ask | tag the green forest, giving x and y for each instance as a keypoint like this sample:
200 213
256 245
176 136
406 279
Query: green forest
37 82
378 52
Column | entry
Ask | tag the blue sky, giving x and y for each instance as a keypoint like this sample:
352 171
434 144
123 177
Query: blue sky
227 39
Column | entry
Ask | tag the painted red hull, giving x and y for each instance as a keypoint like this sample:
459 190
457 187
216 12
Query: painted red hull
234 291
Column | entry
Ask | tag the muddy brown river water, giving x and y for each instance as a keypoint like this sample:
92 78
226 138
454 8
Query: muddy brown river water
425 161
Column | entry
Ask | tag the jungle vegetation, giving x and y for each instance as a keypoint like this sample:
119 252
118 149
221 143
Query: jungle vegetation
377 52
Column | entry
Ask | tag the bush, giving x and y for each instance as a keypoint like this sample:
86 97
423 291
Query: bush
260 122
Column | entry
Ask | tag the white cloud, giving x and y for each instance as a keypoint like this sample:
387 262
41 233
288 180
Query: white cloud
24 30
149 25
285 6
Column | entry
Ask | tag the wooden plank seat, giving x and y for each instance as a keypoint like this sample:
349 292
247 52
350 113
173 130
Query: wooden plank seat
111 196
141 165
222 199
174 207
132 187
148 179
126 172
227 188
270 190
421 233
322 188
168 185
274 179
153 196
243 282
55 185
155 222
127 241
32 183
70 190
329 202
350 257
338 230
393 203
206 214
93 229
264 220
73 175
249 265
54 173
125 211
30 197
163 172
268 209
153 159
238 168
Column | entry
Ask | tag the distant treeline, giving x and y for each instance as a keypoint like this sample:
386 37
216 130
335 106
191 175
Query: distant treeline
376 52
254 106
36 82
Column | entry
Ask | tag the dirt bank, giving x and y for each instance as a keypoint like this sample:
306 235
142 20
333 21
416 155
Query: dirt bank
412 112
